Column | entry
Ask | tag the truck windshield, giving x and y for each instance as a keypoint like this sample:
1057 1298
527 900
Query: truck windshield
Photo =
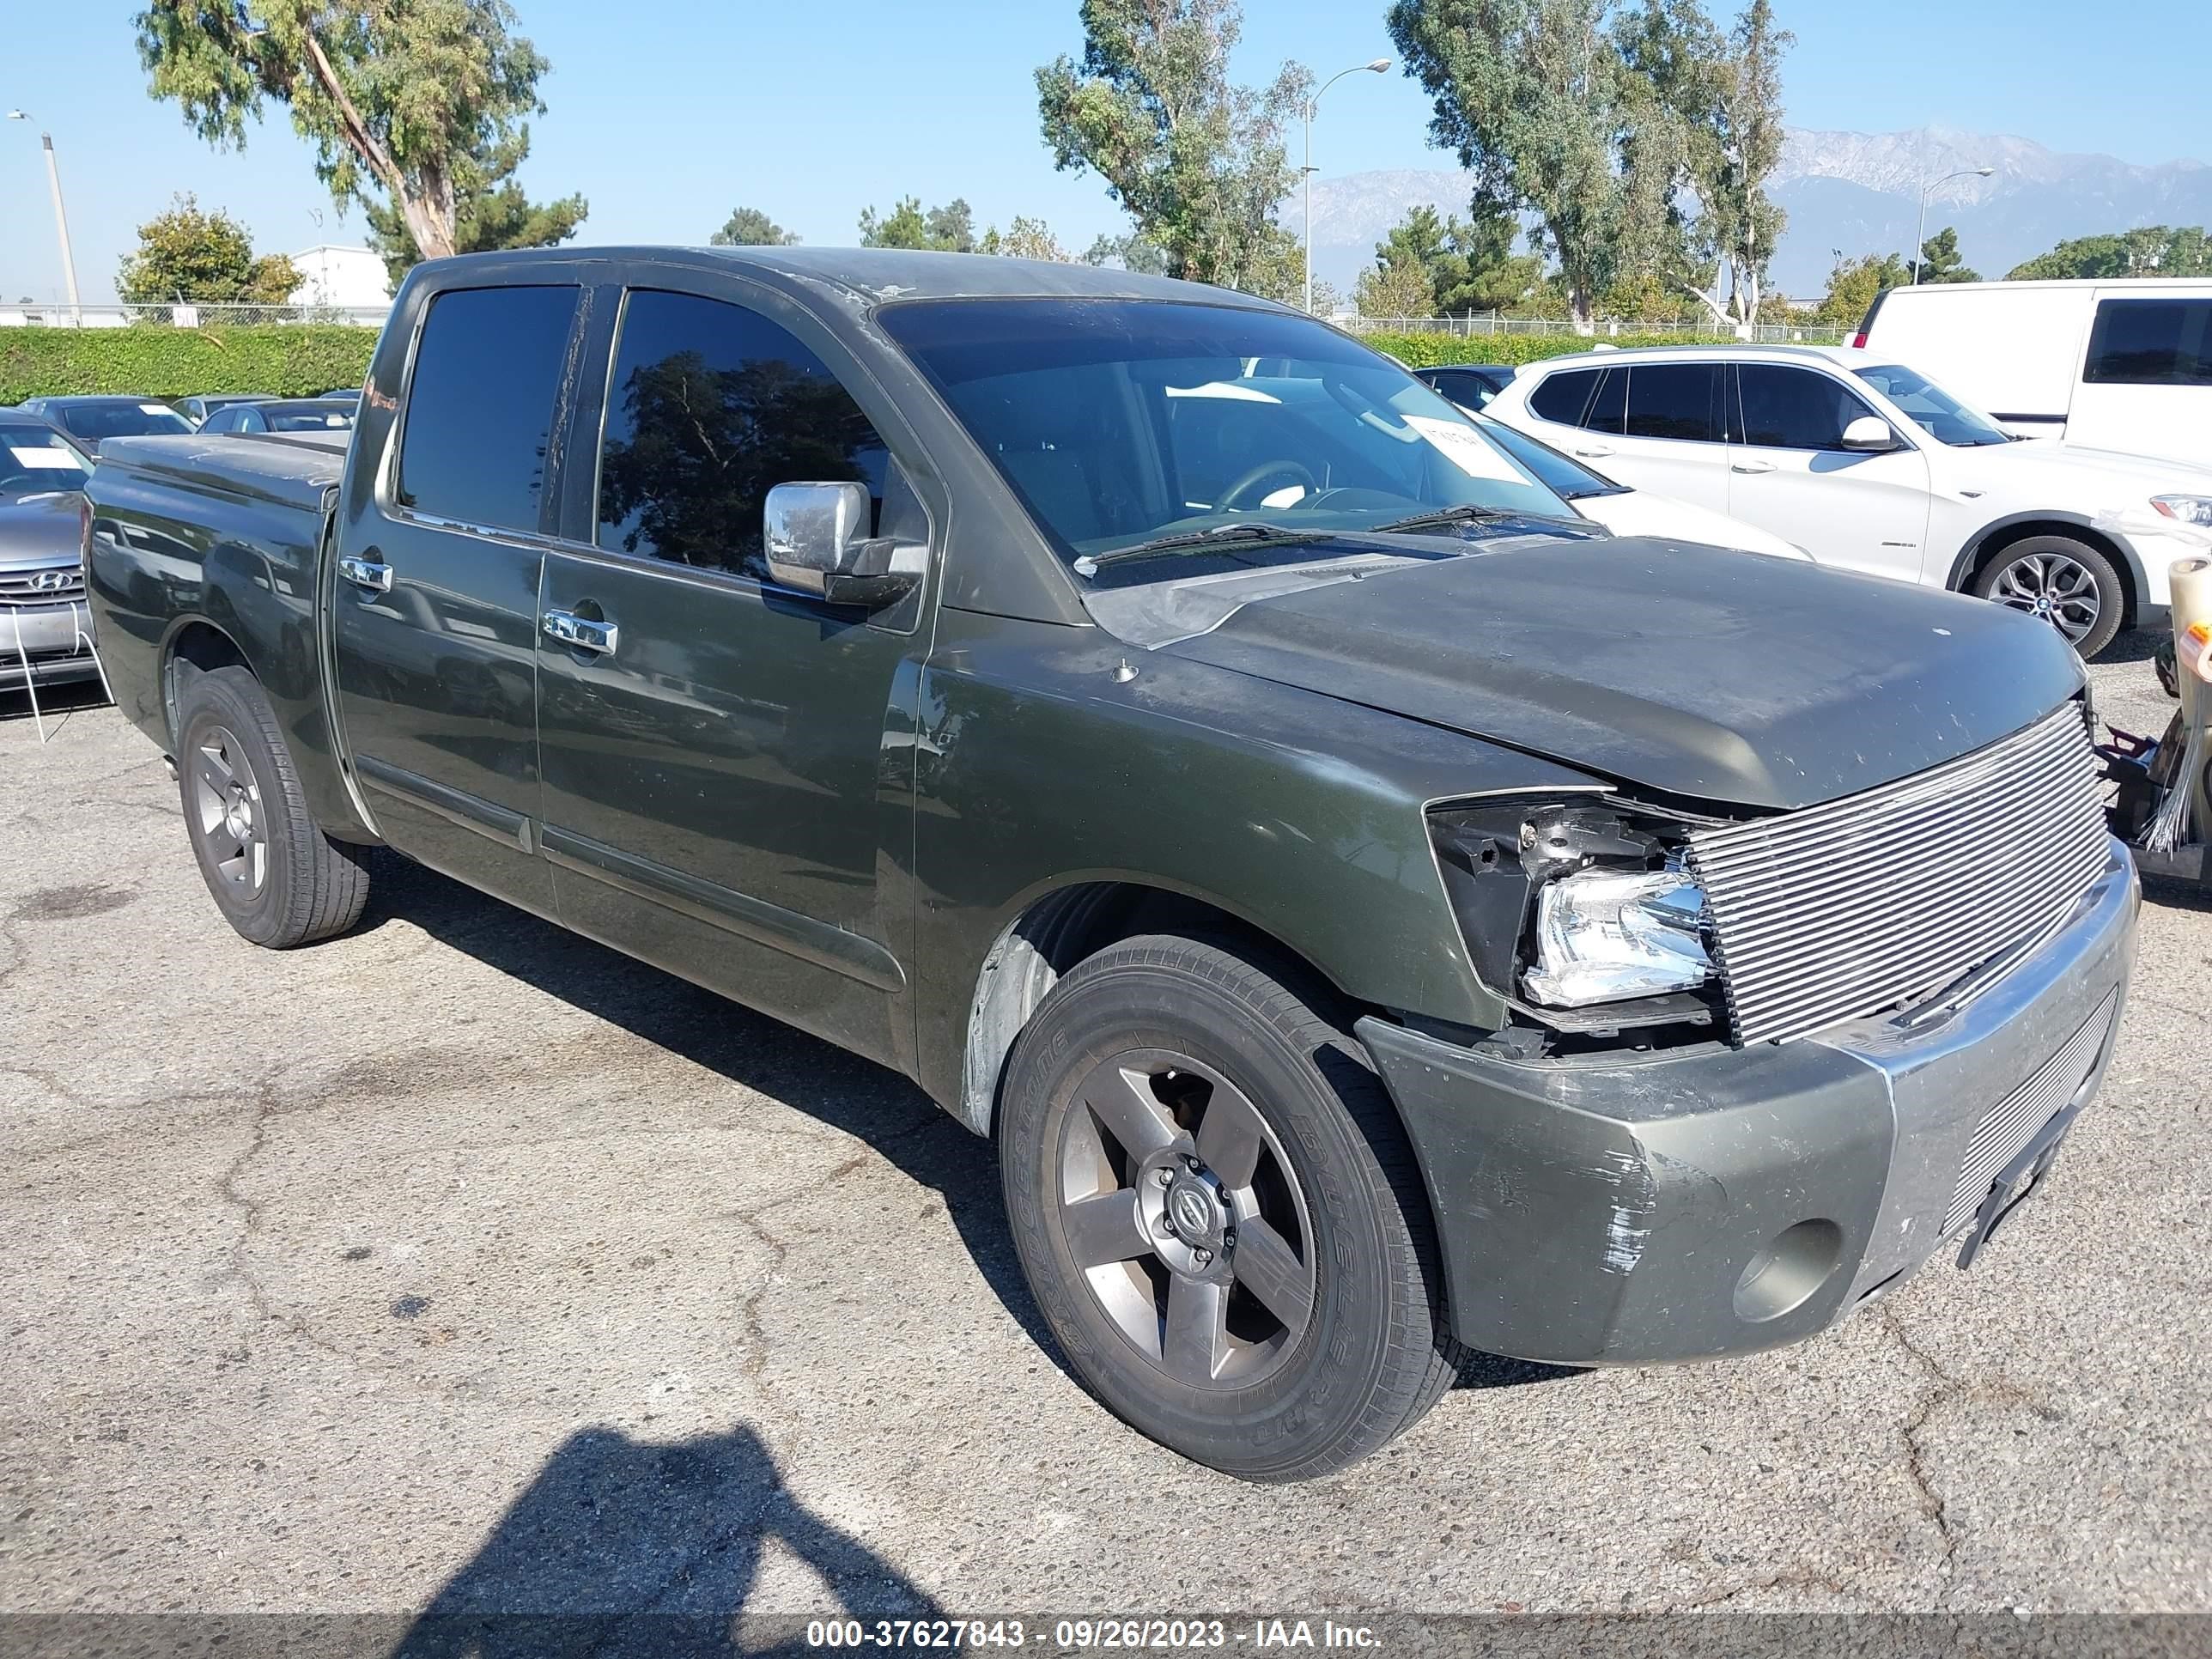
1935 410
1118 421
35 460
96 423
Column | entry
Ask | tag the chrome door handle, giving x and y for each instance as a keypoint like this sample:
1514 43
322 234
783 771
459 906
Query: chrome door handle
581 632
1594 451
1751 467
366 573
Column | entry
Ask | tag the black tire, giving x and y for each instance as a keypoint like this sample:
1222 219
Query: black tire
1332 1178
2058 579
277 877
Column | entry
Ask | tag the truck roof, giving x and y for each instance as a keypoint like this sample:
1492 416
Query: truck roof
873 275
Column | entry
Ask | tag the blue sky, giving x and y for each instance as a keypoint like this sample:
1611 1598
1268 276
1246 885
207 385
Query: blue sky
666 116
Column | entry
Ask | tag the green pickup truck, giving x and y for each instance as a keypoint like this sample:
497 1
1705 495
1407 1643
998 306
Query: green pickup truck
1365 909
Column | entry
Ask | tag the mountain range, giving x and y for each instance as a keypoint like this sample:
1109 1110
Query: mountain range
1854 192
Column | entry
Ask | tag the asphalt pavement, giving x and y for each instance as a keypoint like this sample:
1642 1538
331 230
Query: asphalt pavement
461 1264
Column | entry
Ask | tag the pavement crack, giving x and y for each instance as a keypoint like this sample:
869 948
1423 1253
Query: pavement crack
1933 1505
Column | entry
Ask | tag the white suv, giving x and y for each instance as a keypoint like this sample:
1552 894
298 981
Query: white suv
1869 467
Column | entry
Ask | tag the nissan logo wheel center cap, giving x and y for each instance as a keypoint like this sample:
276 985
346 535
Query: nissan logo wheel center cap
1190 1218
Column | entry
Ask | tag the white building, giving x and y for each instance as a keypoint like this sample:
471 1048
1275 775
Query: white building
340 276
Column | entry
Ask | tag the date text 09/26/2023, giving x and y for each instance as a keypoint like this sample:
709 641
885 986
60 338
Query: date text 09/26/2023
1084 1635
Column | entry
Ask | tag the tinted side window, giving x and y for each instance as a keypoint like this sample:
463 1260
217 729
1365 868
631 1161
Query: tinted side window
1562 396
1795 408
480 406
710 406
1671 400
1609 409
2151 343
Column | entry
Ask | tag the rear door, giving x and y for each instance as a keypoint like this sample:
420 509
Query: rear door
434 605
2146 383
718 796
1789 473
1650 426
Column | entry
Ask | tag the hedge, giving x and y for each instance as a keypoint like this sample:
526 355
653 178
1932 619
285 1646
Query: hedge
151 360
1426 350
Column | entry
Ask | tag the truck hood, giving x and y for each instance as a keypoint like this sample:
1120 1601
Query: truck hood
1706 675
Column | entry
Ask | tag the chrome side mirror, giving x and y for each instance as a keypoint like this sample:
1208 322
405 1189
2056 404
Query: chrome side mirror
1870 433
817 541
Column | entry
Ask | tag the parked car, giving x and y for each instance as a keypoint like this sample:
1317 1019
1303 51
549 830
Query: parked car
283 414
1471 385
197 409
1365 910
42 616
350 394
1871 466
1625 511
91 421
2124 365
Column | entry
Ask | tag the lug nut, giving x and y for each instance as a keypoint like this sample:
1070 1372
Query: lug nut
1166 1228
1201 1257
1165 1177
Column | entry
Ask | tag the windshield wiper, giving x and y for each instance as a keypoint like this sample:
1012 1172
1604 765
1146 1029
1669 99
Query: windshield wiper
1464 514
1091 563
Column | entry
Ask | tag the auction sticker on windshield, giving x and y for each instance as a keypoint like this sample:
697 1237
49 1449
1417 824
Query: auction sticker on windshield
1465 449
59 460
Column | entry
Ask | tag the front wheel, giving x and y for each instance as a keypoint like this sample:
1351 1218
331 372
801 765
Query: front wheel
1219 1214
2068 584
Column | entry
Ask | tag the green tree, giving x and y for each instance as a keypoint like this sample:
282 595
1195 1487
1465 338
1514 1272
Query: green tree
1723 94
1428 265
1852 284
947 229
1197 162
1939 261
1129 251
1025 239
1539 102
2148 250
203 258
400 96
750 228
490 211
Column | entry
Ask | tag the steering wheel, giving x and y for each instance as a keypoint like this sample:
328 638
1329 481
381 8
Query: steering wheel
1260 474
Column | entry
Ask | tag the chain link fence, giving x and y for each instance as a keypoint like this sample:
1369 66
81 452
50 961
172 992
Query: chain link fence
1806 333
28 315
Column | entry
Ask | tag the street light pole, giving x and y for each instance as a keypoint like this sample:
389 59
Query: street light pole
61 218
1377 67
1920 240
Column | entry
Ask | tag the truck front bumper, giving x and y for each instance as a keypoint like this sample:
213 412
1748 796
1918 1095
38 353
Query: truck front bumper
1622 1212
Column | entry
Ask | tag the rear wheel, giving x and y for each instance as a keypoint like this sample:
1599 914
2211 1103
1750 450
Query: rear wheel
2068 583
1219 1214
276 876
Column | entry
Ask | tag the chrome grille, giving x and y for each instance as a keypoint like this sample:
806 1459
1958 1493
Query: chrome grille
1860 904
2014 1121
27 587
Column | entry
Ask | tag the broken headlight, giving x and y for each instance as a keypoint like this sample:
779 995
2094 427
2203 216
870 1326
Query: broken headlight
1580 906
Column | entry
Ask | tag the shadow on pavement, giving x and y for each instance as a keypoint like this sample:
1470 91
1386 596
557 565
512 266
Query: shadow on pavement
622 1547
865 1100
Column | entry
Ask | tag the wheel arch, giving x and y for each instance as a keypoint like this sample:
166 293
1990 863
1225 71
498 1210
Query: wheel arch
1994 537
195 646
1054 930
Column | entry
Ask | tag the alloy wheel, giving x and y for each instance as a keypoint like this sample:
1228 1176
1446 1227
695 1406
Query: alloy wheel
2060 590
227 802
1186 1219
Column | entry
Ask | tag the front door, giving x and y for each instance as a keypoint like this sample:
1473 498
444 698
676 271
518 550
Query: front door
1789 473
716 800
434 601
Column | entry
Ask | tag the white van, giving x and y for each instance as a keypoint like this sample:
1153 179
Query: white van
2121 365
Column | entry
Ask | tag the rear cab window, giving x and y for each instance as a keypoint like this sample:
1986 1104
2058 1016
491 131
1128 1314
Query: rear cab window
2150 342
479 407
